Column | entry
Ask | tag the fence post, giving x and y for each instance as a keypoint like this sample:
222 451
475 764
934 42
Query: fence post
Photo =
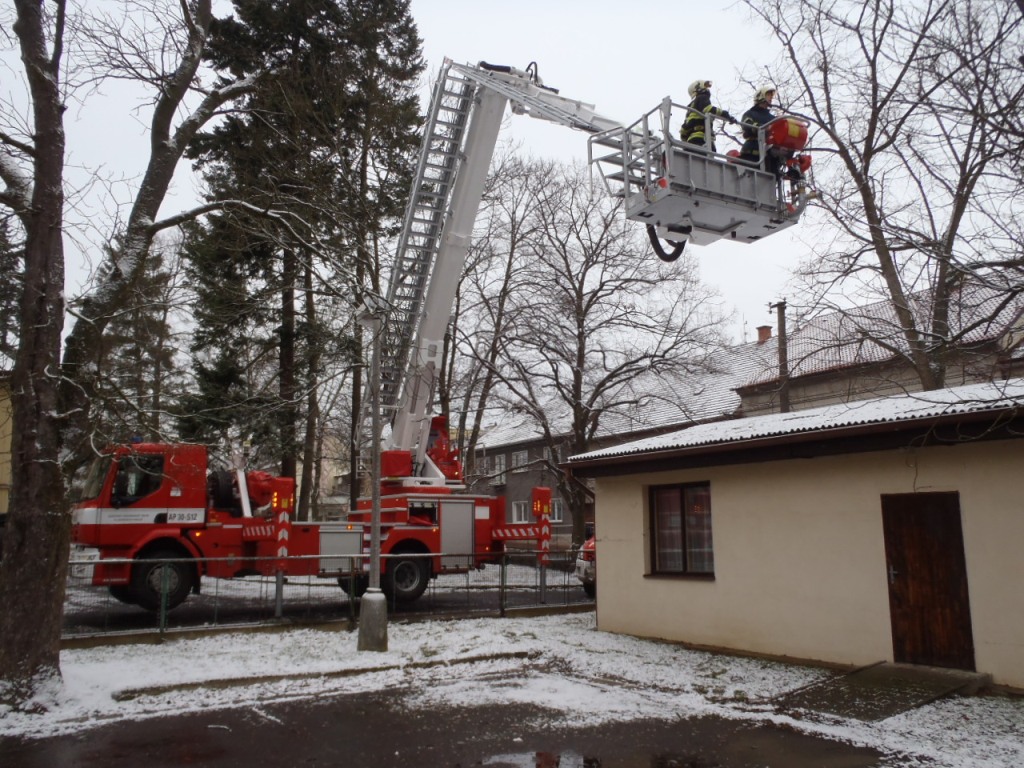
502 577
352 577
282 498
164 577
279 594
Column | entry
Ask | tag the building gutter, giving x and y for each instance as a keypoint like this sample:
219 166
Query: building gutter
1005 424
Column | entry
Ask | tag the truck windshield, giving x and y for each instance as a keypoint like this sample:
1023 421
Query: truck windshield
93 484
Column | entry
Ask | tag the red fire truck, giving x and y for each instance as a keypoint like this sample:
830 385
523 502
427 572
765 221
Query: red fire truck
152 522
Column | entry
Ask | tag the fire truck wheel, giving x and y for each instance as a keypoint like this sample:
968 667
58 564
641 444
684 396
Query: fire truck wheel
406 580
123 592
150 577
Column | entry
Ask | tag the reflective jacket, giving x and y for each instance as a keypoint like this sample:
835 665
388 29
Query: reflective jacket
694 126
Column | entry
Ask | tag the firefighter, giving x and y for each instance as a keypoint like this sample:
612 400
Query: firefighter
700 106
758 115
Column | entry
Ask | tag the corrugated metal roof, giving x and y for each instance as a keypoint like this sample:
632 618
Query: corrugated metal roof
990 396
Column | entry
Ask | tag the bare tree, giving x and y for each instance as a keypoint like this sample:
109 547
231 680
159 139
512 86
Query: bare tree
486 299
36 539
599 323
50 396
166 56
917 105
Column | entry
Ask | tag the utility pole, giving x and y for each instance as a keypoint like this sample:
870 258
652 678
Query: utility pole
780 310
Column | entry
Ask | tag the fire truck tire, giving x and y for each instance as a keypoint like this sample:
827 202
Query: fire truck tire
406 580
149 573
123 592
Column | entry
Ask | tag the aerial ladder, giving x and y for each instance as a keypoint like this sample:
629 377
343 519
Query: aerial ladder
680 195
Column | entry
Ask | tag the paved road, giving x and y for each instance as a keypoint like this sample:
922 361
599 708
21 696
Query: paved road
378 731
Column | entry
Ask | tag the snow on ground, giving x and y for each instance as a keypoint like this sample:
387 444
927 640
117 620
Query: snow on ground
584 676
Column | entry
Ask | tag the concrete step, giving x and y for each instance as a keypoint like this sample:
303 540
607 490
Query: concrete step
880 690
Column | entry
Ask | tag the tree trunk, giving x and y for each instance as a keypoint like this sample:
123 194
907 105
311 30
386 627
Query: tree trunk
310 442
288 413
35 557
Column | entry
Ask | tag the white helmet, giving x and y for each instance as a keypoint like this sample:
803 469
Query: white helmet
762 93
698 85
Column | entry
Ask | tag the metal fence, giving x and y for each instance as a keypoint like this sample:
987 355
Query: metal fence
515 581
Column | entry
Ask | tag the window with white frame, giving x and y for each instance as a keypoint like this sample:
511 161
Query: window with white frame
556 510
555 454
519 460
521 512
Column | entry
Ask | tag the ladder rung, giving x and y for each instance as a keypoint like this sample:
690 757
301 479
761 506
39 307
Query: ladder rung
639 180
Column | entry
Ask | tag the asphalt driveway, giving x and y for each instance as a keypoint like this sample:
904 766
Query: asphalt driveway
379 730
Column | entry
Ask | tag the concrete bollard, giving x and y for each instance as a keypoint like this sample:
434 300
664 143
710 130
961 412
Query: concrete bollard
373 622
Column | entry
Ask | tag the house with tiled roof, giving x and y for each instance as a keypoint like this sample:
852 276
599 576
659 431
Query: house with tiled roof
861 351
876 530
835 357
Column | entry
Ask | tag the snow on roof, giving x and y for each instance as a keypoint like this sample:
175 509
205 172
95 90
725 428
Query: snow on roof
974 398
869 333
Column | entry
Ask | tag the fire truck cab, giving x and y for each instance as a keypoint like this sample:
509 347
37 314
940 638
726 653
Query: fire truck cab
163 521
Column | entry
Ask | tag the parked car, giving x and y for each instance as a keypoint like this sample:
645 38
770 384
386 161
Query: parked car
586 566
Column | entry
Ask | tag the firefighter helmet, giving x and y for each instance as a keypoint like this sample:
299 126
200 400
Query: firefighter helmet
697 86
763 94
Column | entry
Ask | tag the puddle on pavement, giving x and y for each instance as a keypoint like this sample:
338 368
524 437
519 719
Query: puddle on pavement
574 760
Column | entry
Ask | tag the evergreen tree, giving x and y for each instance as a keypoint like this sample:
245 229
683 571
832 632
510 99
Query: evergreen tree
318 157
12 268
137 367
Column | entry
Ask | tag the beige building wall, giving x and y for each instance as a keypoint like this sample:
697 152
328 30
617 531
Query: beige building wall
800 565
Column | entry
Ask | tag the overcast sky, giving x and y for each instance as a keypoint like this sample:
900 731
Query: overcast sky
621 57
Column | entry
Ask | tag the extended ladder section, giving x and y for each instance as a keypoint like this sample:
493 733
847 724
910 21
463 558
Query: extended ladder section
687 192
461 131
420 237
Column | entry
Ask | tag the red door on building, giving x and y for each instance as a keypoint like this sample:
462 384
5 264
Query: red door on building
927 573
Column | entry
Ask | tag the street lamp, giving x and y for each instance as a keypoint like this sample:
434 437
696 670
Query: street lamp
373 607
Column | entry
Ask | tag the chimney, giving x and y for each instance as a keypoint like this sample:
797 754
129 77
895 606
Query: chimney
764 332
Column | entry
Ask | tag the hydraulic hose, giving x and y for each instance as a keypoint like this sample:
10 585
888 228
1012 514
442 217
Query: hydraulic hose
672 255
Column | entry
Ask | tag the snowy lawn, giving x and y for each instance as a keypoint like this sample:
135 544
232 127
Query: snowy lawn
584 676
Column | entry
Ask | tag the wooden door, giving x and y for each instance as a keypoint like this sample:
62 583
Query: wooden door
927 573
